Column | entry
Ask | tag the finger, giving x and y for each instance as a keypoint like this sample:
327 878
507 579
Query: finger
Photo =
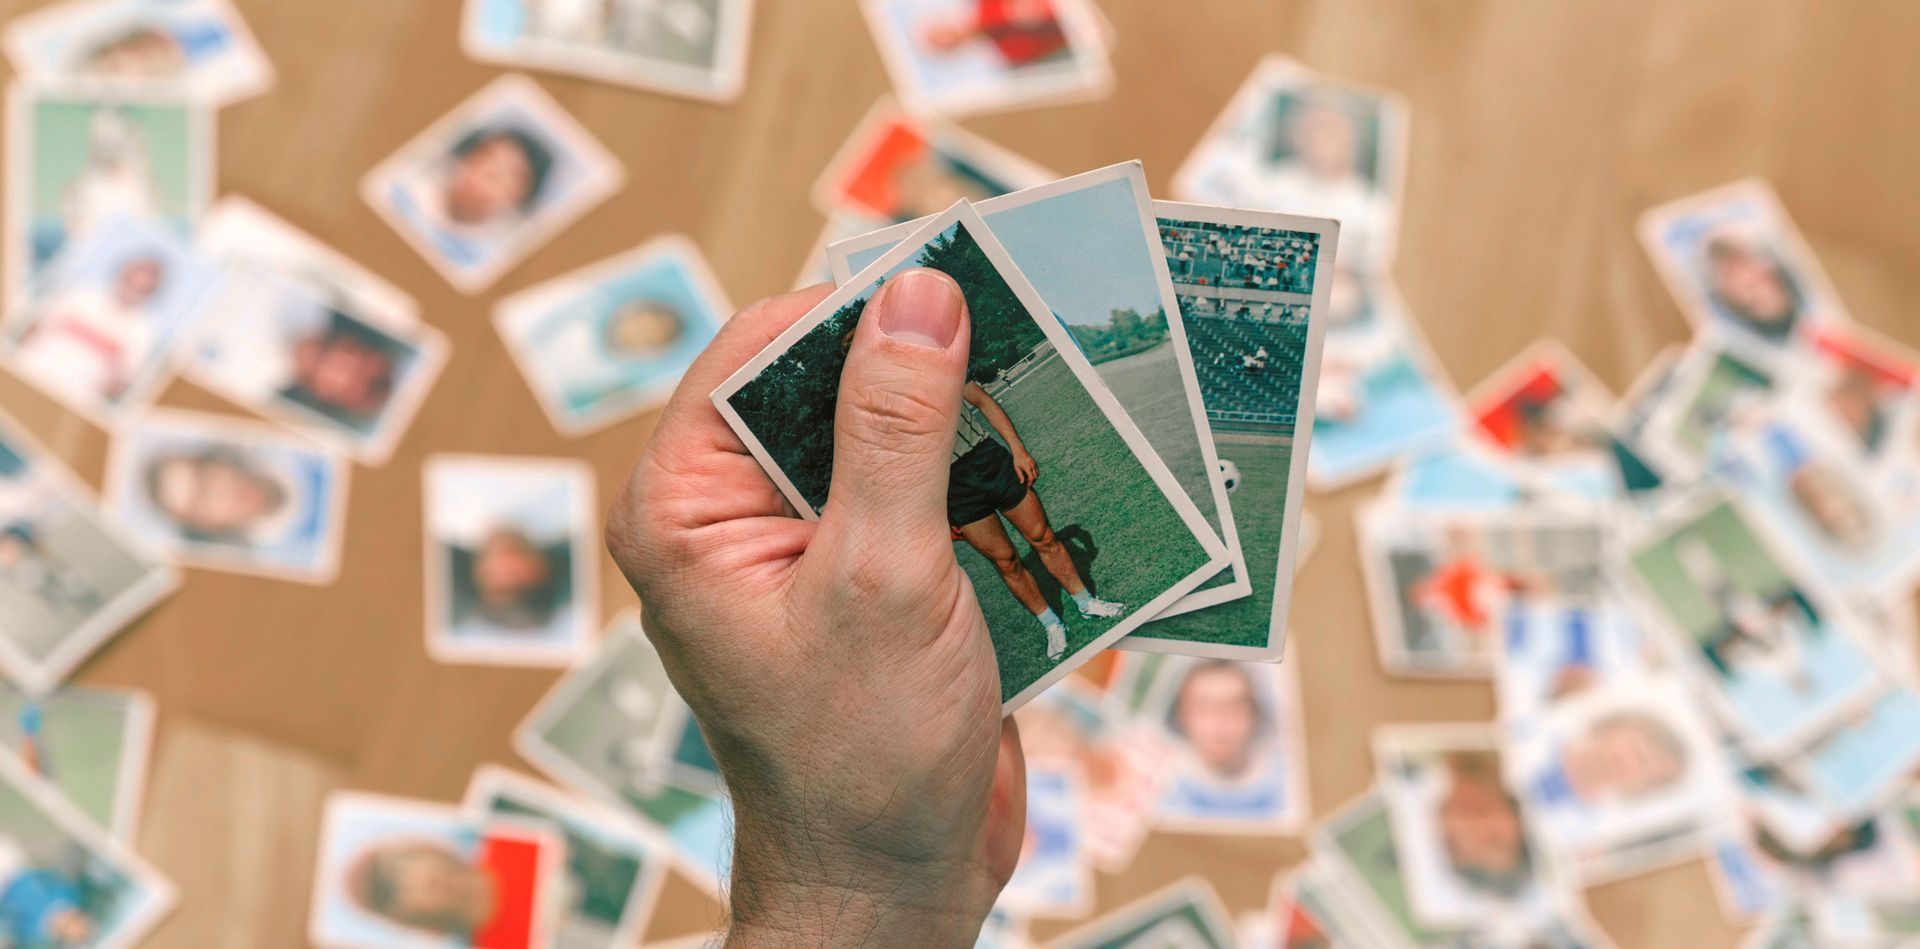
899 399
1007 809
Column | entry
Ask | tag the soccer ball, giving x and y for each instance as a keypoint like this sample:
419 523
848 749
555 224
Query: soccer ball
1229 473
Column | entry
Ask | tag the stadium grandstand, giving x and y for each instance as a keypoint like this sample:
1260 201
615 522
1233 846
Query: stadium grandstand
1248 347
1240 257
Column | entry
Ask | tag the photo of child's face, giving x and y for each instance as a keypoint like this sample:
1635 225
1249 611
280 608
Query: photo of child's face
340 371
643 329
1481 830
1218 713
513 579
138 281
1750 283
493 175
1624 757
1857 398
212 493
1841 513
421 884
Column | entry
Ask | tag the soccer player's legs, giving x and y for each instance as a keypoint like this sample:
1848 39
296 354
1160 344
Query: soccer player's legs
1031 519
989 537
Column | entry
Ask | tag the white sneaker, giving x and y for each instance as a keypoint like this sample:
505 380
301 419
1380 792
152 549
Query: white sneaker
1056 640
1097 608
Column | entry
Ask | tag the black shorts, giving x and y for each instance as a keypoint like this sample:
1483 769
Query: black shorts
982 483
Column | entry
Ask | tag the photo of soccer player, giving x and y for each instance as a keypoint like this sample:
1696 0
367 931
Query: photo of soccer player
1237 734
510 575
492 180
1042 444
200 49
960 56
399 873
226 493
693 48
101 330
1736 262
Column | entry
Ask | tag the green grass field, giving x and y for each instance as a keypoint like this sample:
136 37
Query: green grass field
1127 539
1259 514
84 736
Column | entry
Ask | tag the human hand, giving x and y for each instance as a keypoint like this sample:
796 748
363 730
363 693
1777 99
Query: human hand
840 669
1025 468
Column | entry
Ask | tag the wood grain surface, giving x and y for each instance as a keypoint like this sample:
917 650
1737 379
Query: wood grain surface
1540 131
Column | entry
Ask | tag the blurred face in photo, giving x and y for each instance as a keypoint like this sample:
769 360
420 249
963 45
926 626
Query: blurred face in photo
1624 757
422 885
1325 139
143 52
339 370
1219 715
1481 830
1751 284
213 493
513 580
494 175
643 329
137 282
1840 512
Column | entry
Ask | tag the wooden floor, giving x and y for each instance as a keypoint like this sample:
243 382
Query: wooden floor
1540 130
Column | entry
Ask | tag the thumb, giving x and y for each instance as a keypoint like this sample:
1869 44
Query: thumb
899 398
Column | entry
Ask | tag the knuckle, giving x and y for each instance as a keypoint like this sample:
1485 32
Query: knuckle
889 421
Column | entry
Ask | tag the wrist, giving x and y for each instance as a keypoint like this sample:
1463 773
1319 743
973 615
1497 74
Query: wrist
823 895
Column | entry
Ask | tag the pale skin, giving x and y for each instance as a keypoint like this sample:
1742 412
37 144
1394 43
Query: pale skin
988 536
840 668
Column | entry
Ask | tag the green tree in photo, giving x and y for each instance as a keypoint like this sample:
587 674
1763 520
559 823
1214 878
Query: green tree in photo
790 405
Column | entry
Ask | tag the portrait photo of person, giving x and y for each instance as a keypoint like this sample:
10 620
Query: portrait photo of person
100 332
230 494
692 48
960 56
1236 731
613 339
201 48
395 873
1292 140
482 187
509 560
902 167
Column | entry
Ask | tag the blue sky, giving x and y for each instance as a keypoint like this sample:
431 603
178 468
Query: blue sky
1084 250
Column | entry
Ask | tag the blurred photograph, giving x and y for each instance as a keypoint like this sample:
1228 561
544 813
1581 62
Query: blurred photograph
1622 779
1183 915
898 167
1716 389
199 49
693 48
1867 762
607 730
1779 660
90 744
103 326
614 864
1867 386
1121 764
1438 582
70 575
1817 493
1294 140
79 159
1547 411
511 560
308 338
1471 854
1754 871
1382 396
62 881
489 183
955 57
1053 879
229 494
610 341
401 873
1240 754
1737 264
1553 651
1038 422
